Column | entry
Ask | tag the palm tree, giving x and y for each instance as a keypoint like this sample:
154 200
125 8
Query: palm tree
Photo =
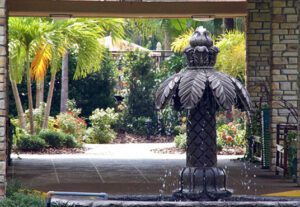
81 35
16 70
26 36
202 91
114 27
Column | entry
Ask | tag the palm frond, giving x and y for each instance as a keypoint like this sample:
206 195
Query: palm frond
40 62
17 56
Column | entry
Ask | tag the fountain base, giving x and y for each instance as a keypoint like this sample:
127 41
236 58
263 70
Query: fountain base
207 183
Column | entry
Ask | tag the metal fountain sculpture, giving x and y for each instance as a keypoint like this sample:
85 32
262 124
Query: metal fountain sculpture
202 90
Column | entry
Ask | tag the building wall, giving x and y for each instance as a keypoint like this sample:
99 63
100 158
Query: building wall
3 94
272 54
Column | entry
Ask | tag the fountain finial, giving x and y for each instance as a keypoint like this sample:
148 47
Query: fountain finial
201 51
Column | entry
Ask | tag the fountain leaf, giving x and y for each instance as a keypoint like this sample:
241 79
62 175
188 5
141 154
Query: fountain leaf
167 90
223 88
243 97
191 88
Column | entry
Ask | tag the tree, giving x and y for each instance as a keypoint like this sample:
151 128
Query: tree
81 34
114 27
26 36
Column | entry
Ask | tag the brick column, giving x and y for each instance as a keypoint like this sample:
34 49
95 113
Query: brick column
259 47
3 94
298 146
273 53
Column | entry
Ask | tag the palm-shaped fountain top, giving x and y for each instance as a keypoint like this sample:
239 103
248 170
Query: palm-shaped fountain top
188 87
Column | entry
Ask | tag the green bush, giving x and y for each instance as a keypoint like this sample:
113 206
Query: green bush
52 138
30 143
101 130
23 200
70 122
140 78
69 141
180 141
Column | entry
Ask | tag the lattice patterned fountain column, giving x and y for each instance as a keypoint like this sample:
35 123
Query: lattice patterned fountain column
202 90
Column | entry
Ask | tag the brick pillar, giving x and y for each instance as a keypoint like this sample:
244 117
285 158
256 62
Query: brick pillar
3 94
273 53
259 47
298 146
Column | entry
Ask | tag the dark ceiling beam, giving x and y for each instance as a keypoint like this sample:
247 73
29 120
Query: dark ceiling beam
88 8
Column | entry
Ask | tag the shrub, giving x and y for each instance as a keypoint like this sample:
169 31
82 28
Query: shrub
136 125
69 141
30 143
232 56
70 123
140 78
101 130
52 138
180 141
23 200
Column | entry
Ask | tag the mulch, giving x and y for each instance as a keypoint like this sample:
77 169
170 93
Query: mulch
123 138
225 151
53 151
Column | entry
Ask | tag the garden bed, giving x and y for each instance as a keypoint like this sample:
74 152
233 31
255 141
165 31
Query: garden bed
123 138
225 151
53 151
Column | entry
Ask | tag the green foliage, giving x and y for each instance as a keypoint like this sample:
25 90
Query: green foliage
180 141
232 56
171 65
137 125
30 143
23 200
97 86
52 138
69 141
18 197
70 123
101 130
12 187
139 68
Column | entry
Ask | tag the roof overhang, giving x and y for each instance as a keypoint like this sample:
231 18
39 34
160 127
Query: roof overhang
157 9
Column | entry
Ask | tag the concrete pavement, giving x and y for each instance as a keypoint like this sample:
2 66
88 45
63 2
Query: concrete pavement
132 169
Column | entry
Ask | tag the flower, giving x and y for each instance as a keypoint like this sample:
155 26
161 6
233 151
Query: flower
229 138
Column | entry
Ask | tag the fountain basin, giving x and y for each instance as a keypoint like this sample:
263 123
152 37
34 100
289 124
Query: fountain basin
169 201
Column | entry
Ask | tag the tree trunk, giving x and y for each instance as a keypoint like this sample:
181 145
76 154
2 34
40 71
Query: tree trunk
64 83
18 102
29 92
201 134
167 41
39 93
49 101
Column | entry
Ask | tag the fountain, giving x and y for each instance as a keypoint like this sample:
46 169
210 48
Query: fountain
201 90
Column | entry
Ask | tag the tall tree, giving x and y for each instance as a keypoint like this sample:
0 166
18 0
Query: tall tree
113 27
64 83
27 35
81 35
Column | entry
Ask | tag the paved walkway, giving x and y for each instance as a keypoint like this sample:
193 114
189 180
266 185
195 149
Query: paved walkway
132 169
